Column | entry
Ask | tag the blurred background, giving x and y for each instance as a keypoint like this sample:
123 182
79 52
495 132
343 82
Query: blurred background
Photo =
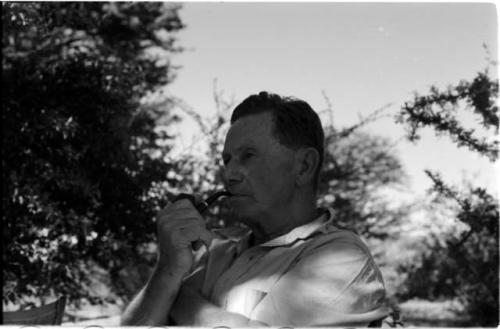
112 109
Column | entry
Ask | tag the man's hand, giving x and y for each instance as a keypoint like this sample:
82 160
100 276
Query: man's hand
179 226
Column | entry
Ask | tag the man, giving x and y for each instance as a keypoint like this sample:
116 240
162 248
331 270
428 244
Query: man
293 267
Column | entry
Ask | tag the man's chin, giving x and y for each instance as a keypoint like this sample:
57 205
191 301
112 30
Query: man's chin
242 211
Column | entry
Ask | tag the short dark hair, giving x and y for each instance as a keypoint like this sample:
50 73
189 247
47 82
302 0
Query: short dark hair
295 122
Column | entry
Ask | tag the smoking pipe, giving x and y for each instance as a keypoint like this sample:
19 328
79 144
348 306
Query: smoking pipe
203 206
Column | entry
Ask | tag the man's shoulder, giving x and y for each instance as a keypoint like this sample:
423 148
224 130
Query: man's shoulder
338 254
336 242
334 234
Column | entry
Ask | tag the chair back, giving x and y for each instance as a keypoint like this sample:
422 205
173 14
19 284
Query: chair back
392 320
49 314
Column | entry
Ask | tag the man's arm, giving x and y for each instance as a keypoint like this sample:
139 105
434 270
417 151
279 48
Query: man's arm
152 304
192 309
179 225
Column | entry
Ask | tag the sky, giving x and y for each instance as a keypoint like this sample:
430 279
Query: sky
362 56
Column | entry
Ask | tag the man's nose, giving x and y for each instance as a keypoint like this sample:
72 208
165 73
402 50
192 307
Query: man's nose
231 174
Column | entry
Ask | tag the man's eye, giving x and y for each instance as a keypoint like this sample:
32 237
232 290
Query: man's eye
247 155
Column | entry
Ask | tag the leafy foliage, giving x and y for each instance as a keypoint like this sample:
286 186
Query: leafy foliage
80 154
358 171
462 264
202 165
438 110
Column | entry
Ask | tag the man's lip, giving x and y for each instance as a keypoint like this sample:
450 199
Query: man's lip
236 195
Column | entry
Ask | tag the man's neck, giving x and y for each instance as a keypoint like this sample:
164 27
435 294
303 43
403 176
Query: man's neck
284 221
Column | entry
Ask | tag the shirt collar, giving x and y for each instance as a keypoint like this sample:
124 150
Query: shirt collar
320 224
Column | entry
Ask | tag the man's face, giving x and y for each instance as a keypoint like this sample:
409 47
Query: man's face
259 171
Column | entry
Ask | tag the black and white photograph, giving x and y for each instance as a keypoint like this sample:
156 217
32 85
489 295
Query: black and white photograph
250 164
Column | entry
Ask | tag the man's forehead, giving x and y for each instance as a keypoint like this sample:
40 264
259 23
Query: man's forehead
237 142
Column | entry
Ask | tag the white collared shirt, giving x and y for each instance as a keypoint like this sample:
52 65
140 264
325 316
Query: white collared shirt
315 275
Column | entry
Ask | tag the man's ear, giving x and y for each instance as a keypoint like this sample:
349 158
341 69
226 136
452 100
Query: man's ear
308 160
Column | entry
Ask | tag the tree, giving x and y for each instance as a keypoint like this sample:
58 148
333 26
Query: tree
81 156
358 170
439 108
203 170
461 264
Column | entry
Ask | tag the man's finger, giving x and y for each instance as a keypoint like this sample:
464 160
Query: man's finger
206 237
197 245
194 232
184 203
188 224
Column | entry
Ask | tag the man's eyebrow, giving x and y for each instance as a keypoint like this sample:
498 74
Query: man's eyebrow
247 146
241 148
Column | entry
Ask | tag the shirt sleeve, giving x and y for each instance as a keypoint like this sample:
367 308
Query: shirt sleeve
334 283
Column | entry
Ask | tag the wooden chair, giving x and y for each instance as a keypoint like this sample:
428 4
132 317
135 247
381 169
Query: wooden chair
393 320
50 314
